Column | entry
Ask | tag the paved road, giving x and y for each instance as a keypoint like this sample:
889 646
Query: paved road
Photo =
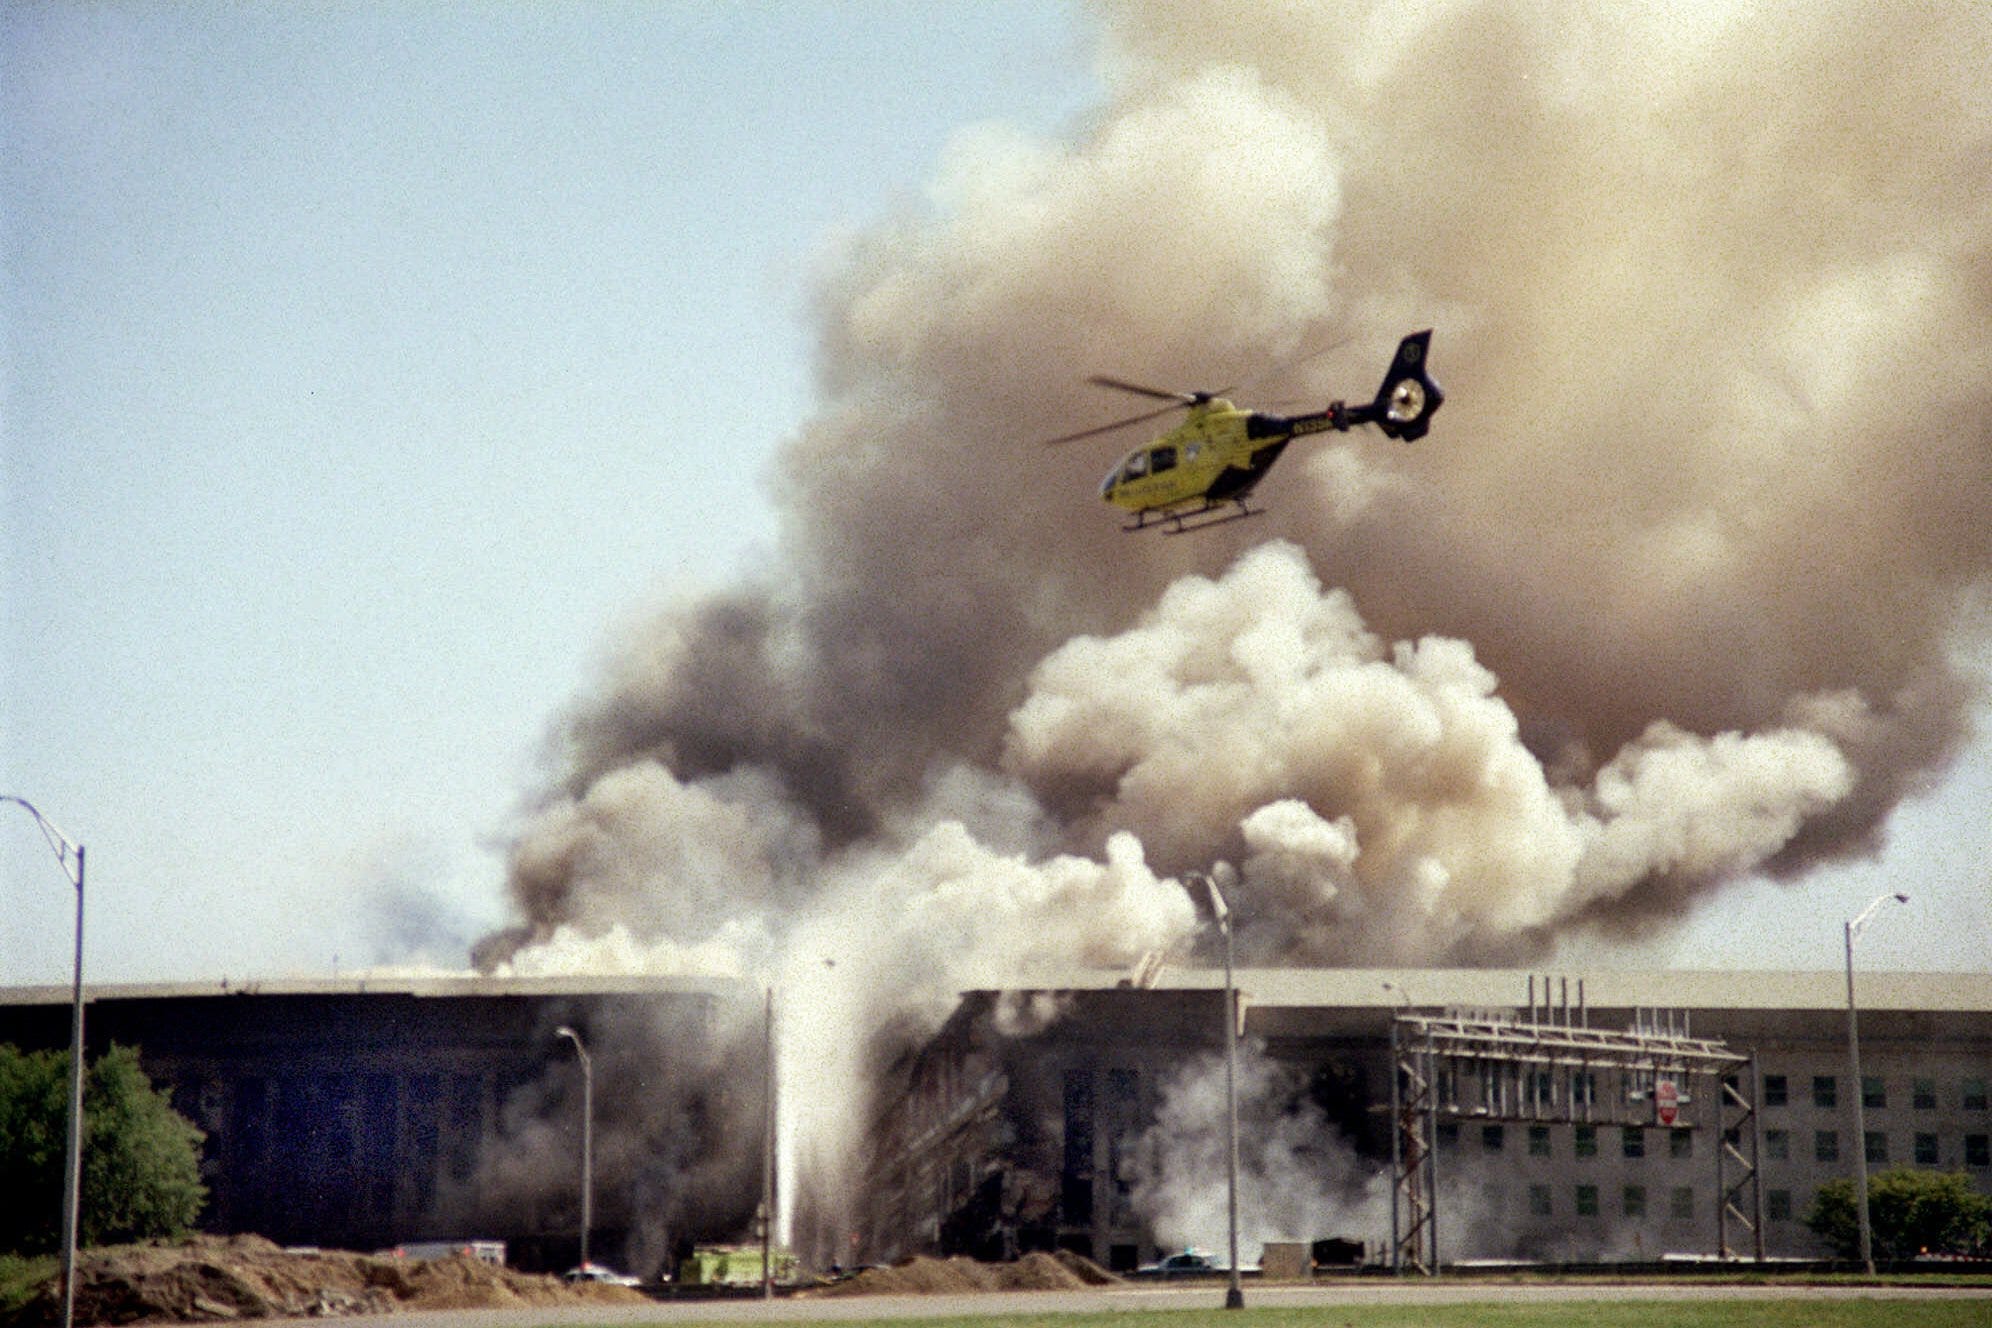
1366 1291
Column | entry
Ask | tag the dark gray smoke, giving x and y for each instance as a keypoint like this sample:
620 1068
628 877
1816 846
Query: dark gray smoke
1666 598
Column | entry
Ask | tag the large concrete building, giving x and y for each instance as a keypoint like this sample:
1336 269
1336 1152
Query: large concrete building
365 1113
1073 1114
1030 1120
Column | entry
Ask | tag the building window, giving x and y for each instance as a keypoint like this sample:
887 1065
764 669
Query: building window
1874 1092
1825 1091
1876 1146
1587 1201
1538 1141
1633 1141
1974 1095
1584 1088
1584 1141
1681 1203
1774 1090
1123 1128
1825 1146
1542 1089
1076 1180
1492 1138
1449 1136
1777 1145
1777 1205
1634 1200
1680 1143
1539 1201
1978 1150
1926 1149
1923 1094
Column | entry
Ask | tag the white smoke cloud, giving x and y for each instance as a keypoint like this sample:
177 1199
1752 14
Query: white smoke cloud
1667 597
1298 1179
1387 806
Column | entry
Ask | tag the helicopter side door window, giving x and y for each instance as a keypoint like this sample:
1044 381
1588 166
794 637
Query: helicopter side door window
1161 459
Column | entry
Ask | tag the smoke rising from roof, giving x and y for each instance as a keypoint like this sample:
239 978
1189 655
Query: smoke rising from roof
1667 597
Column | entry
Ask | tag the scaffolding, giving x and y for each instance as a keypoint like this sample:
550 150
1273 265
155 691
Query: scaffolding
1545 1064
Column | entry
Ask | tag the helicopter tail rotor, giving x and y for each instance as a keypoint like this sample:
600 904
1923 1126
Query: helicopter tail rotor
1408 399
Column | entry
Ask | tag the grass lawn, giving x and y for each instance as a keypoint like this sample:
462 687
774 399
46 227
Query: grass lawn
1795 1312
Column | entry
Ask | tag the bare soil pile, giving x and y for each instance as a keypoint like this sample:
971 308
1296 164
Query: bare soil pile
213 1278
922 1275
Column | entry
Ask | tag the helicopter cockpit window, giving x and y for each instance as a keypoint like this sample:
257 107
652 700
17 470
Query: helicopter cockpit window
1161 459
1137 465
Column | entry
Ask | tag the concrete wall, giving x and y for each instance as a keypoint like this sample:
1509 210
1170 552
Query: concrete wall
348 1117
1008 1138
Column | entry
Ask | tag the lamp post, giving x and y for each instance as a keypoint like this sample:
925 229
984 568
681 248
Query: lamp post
587 1136
1234 1295
69 855
1854 1062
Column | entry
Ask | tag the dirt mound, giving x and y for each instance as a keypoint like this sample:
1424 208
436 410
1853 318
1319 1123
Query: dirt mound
213 1278
923 1275
1088 1272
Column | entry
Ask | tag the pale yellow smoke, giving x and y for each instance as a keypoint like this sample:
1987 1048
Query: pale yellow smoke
1667 596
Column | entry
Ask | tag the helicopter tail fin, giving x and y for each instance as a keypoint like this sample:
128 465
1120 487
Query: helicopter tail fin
1408 399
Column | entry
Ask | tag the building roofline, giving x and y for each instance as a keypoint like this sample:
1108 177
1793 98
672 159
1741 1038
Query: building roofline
365 984
1357 988
1428 989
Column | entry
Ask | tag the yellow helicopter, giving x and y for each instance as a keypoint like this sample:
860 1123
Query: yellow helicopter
1201 472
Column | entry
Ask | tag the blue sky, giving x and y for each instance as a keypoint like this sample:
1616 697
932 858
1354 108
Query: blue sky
368 367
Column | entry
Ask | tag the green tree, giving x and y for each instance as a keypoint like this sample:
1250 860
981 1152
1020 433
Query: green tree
1909 1212
141 1158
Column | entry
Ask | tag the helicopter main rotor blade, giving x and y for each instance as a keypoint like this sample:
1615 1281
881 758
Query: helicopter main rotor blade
1122 385
1132 420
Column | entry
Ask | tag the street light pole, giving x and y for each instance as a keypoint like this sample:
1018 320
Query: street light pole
587 1137
1854 1062
69 855
1234 1295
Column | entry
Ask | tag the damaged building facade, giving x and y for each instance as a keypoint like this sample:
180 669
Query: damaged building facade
1035 1120
367 1114
1078 1112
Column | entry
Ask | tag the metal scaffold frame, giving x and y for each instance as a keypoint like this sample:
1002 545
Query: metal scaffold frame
1546 1065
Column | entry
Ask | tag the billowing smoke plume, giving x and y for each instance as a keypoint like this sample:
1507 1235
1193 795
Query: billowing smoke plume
1387 807
1666 597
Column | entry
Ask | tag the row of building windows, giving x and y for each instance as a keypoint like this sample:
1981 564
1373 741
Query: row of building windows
1925 1147
1633 1204
1923 1096
1536 1092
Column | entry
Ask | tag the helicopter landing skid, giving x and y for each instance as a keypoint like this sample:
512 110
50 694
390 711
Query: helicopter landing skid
1210 514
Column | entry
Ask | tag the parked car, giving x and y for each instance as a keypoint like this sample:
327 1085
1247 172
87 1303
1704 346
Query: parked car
595 1272
1192 1263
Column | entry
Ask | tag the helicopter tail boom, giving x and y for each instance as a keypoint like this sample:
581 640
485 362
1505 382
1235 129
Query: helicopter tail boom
1403 407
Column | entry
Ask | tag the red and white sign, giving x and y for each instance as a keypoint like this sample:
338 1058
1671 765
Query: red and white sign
1666 1101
